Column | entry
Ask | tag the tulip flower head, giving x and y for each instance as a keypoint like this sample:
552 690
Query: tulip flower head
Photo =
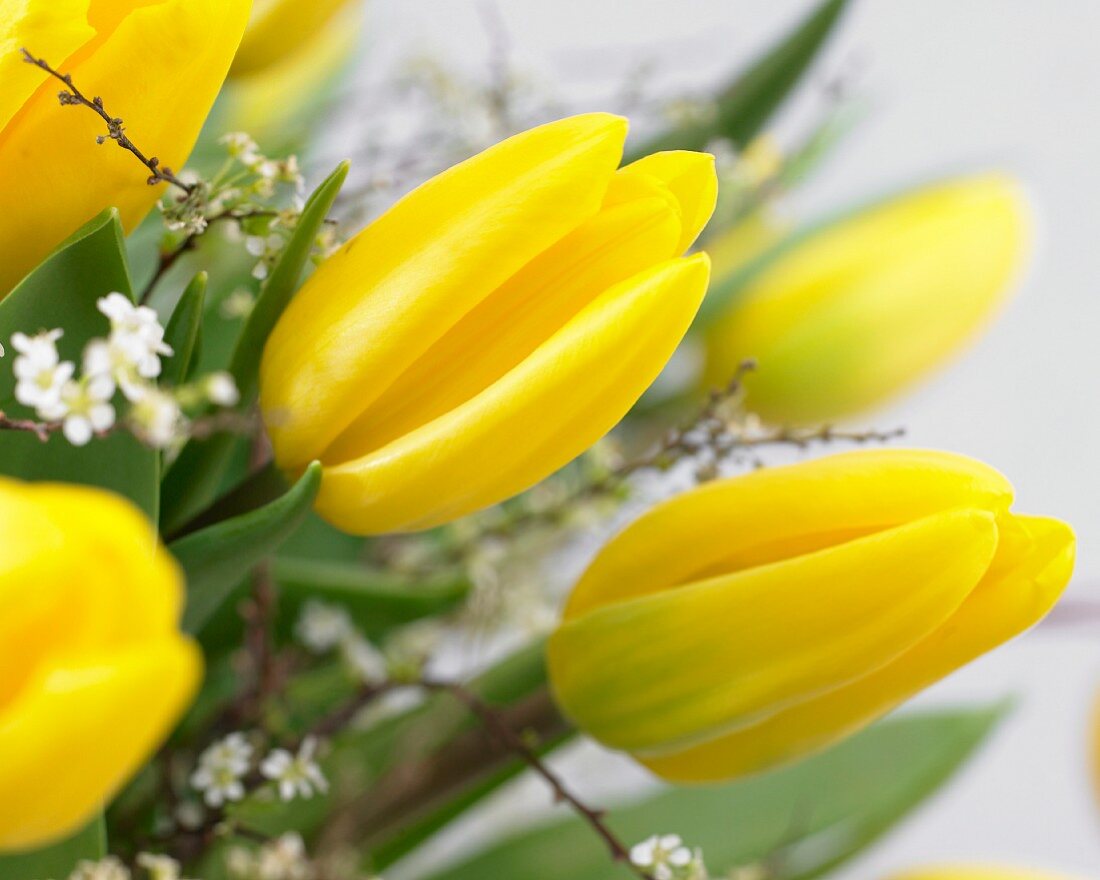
754 620
489 327
93 668
978 872
848 316
157 64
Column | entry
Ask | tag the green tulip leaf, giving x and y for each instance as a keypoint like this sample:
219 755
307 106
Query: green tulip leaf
62 292
197 475
183 332
216 558
806 819
376 600
746 104
57 860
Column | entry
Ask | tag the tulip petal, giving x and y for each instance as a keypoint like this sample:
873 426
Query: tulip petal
371 310
539 416
692 179
71 740
53 175
52 31
1033 564
779 512
676 668
528 309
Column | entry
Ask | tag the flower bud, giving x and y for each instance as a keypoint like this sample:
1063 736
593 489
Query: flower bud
489 327
94 669
157 66
849 315
755 620
978 872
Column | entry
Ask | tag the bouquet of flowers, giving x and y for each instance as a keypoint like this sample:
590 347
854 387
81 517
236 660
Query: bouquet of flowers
328 510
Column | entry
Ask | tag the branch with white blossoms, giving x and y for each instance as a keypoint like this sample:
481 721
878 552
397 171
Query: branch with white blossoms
127 362
247 191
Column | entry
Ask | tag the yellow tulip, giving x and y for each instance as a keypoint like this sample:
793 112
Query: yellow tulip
93 668
271 101
977 872
280 28
754 620
488 328
157 64
860 310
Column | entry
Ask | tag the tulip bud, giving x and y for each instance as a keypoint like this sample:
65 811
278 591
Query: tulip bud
849 315
755 620
94 669
489 327
275 101
157 66
978 872
279 29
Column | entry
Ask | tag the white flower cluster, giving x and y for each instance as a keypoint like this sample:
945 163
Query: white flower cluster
322 628
155 867
281 859
665 857
224 766
127 360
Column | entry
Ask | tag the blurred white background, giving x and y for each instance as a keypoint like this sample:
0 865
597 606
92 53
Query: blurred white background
953 84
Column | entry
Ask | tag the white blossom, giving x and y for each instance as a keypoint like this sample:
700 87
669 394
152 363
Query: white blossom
157 418
295 775
136 333
267 248
221 389
281 859
159 867
39 371
363 660
666 858
84 408
108 868
241 146
322 626
220 768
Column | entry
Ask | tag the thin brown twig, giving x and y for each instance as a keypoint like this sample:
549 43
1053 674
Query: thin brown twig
41 430
116 130
514 742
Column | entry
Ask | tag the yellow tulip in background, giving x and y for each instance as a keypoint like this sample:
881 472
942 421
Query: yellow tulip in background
977 872
290 51
93 668
157 65
278 29
754 620
853 313
490 327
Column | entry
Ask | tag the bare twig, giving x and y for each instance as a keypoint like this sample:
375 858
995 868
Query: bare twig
116 130
515 743
41 430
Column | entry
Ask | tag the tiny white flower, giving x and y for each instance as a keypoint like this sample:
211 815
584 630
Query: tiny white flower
108 868
238 304
85 408
283 859
39 371
221 389
666 858
296 775
267 248
363 660
322 626
159 867
136 334
157 418
220 768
